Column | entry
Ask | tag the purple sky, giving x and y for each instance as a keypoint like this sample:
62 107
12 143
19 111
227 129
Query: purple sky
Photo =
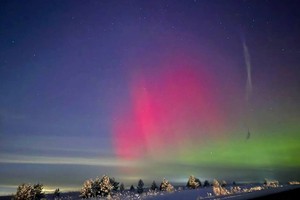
71 72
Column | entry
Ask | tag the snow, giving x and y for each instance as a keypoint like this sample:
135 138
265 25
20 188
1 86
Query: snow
204 193
195 194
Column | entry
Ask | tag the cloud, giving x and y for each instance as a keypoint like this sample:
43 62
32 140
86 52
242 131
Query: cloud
248 67
51 160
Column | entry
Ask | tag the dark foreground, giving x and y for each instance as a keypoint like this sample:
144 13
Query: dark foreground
290 194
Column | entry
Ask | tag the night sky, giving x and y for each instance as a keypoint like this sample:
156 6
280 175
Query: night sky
148 89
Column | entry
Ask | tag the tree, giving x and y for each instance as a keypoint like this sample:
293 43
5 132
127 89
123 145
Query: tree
114 183
132 189
206 183
198 181
193 182
223 183
96 190
218 189
105 186
166 186
97 187
86 190
122 188
24 191
56 193
38 191
154 186
29 192
140 187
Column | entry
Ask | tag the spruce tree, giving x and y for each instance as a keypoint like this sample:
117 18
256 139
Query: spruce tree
154 186
132 189
198 181
95 188
86 190
122 187
166 186
206 183
193 182
56 193
105 186
114 183
140 187
38 191
99 187
223 183
29 192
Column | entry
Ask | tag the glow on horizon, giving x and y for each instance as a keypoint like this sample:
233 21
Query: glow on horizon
60 160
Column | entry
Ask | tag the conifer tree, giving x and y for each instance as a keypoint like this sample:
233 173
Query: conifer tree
105 186
86 190
166 186
56 193
193 182
38 191
29 192
218 189
122 187
140 187
206 183
223 183
154 186
114 183
132 189
97 187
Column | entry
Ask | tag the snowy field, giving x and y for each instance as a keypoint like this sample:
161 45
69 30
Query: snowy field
179 194
203 193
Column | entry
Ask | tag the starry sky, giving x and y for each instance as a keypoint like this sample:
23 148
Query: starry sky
148 89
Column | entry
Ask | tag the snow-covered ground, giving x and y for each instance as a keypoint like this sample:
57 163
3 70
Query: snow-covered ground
181 194
204 193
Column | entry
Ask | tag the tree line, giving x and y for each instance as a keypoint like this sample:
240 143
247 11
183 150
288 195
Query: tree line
104 187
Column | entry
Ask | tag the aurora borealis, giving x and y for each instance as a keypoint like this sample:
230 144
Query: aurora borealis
148 89
168 109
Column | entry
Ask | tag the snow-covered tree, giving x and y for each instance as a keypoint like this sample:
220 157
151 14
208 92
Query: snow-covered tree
193 182
140 187
29 192
166 186
271 183
97 187
86 190
24 191
218 189
105 186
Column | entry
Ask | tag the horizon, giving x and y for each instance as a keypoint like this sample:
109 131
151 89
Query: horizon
148 89
50 189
